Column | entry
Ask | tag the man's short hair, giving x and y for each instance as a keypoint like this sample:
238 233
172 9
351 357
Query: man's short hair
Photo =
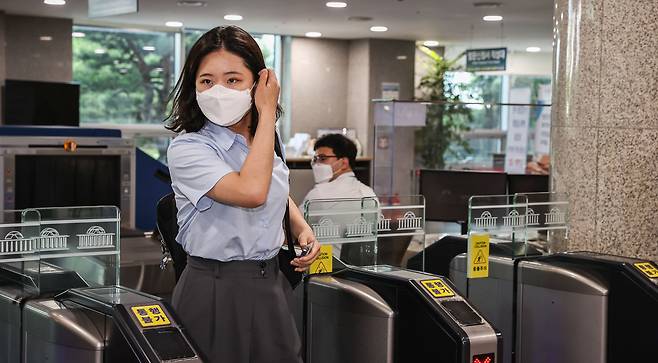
341 145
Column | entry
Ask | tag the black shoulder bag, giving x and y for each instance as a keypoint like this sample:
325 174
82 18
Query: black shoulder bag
287 255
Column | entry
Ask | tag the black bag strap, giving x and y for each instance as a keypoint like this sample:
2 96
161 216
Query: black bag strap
286 217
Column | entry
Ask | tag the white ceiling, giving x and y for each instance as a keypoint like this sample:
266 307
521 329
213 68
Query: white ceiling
526 22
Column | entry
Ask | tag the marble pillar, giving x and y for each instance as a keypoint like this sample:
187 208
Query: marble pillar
605 123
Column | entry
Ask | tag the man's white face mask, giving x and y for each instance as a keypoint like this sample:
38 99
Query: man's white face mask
322 173
224 106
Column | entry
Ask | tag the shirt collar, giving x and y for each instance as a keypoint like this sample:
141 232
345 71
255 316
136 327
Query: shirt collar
222 135
344 175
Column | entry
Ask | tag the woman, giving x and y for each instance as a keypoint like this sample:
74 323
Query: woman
231 193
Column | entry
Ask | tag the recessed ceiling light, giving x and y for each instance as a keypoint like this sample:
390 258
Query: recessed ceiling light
174 24
78 35
378 28
233 17
148 48
191 3
313 34
431 43
336 4
99 51
533 49
54 2
492 18
45 38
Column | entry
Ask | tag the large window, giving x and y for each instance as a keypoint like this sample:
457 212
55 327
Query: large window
125 76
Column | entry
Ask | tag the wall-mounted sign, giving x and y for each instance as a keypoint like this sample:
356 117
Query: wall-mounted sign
100 8
486 59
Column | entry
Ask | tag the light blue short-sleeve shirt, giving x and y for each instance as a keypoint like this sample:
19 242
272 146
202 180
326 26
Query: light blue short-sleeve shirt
213 230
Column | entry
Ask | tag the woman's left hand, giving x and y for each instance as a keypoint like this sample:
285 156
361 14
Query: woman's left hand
306 238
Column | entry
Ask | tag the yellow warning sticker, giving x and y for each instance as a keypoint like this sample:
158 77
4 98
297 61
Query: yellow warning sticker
437 288
150 315
478 256
323 264
648 269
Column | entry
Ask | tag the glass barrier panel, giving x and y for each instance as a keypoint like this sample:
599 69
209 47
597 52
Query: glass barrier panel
349 226
80 246
511 137
19 251
547 218
502 218
400 229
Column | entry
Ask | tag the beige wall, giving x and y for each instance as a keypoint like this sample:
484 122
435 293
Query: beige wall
334 81
358 90
319 70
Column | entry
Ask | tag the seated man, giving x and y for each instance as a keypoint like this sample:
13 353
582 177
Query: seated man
334 160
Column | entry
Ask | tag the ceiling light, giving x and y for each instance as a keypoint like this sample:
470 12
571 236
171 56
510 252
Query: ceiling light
54 2
533 49
174 24
492 18
148 48
313 34
78 35
233 17
336 4
191 3
401 57
431 43
99 51
45 38
378 28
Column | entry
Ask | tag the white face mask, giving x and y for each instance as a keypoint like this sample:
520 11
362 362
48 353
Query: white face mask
322 173
224 106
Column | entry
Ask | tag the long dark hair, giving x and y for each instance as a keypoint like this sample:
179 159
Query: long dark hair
185 112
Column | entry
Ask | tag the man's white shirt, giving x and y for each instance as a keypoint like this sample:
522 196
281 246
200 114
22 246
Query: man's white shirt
344 186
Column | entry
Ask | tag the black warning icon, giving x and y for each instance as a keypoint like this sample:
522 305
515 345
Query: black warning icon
479 258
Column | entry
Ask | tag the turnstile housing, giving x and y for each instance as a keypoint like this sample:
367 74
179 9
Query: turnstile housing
385 314
568 307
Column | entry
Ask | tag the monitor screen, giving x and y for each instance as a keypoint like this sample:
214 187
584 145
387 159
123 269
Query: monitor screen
527 183
447 192
41 103
67 180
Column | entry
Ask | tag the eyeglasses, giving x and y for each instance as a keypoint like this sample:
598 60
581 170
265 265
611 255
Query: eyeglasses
321 158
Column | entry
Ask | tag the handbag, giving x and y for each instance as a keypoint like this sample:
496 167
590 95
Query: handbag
287 255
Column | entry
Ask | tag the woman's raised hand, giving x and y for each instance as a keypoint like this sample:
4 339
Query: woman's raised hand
267 92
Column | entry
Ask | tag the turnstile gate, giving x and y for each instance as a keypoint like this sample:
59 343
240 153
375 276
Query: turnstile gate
386 314
570 307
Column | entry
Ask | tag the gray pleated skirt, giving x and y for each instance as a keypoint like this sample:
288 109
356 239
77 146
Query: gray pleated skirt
238 311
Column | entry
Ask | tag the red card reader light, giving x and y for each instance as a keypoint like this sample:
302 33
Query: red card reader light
484 358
